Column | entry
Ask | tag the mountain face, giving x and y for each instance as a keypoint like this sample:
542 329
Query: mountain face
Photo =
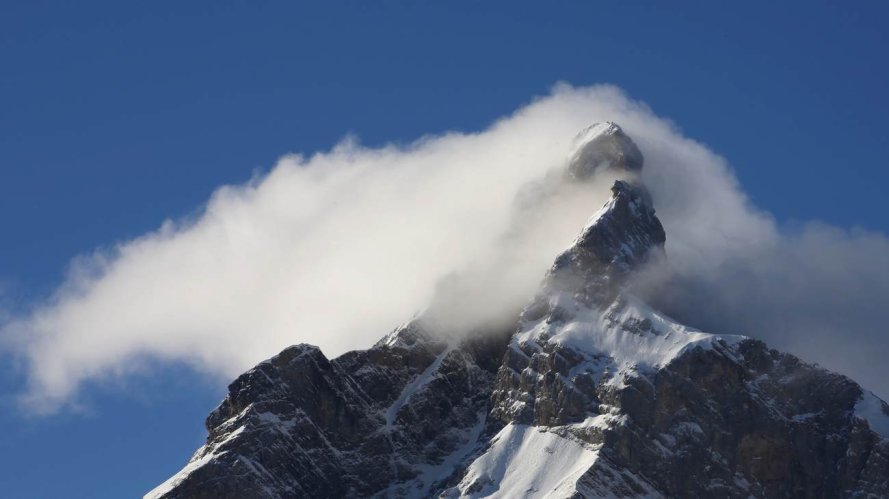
588 393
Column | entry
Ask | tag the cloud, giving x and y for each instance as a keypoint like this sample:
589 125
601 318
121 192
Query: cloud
816 291
339 247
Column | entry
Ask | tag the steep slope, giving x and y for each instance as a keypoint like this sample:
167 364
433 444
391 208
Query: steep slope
590 393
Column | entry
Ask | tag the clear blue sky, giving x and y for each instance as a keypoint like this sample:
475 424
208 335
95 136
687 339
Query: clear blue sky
116 115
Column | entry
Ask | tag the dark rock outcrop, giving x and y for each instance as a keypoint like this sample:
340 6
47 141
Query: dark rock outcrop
300 425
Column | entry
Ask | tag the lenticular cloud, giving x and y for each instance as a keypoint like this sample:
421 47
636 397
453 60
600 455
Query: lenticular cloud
338 247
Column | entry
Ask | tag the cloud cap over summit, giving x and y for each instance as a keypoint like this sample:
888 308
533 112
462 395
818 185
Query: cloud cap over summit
337 247
604 146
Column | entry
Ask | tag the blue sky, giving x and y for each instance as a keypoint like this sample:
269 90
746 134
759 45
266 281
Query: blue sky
115 117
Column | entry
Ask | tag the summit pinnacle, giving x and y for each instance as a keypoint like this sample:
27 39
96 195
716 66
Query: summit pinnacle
604 146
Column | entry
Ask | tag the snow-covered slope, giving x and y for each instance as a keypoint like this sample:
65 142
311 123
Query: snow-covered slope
589 393
521 463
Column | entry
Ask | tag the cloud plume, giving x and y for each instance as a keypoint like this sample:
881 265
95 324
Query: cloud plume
338 247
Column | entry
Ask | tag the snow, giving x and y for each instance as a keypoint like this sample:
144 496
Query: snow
688 428
413 387
591 132
229 437
273 420
395 338
593 220
431 474
799 418
611 333
173 481
258 469
873 410
526 461
203 456
602 421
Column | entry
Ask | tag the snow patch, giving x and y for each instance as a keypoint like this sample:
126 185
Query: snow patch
633 335
175 480
873 410
591 132
526 461
413 387
200 458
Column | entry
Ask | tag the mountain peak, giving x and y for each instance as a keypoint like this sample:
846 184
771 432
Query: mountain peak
624 234
588 392
604 146
625 229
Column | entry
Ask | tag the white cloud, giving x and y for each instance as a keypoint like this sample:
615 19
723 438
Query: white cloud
337 248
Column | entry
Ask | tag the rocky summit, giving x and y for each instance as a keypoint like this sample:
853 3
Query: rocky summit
588 392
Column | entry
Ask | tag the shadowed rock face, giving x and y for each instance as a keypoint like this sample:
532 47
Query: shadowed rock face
300 425
657 409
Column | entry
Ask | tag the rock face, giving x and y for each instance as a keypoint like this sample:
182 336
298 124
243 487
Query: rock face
589 393
380 421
